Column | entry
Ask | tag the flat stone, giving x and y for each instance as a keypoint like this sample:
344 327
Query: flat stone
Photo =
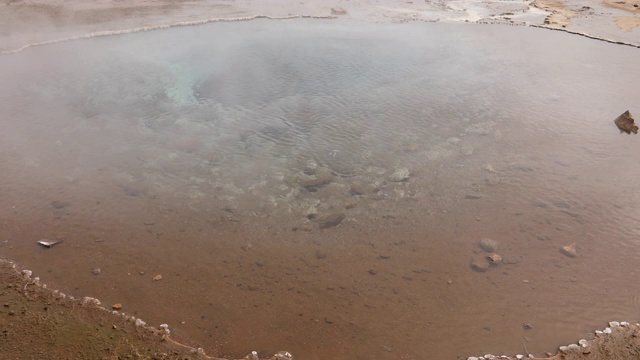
316 182
473 197
338 11
116 306
331 220
489 245
569 250
480 264
494 258
626 123
359 189
157 277
96 271
400 175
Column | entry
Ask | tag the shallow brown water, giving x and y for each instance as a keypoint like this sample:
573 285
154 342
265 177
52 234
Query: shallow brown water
186 153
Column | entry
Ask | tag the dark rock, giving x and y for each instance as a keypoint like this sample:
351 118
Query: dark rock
473 197
59 204
316 182
331 220
626 124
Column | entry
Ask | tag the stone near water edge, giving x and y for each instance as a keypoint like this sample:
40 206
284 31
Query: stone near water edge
116 306
283 355
400 175
583 342
606 331
626 123
569 250
489 245
480 264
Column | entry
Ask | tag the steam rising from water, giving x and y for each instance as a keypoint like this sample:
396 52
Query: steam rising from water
403 129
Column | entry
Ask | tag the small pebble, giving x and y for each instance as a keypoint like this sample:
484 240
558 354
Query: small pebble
569 250
116 306
583 342
96 271
157 277
614 324
607 331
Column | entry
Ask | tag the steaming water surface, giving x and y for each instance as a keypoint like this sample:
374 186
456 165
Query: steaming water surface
321 187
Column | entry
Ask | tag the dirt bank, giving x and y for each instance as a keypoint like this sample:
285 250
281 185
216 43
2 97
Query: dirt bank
37 322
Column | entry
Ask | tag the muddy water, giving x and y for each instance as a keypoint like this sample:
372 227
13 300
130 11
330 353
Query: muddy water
321 186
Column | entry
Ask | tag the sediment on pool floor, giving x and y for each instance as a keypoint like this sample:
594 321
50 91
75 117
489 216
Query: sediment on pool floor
27 297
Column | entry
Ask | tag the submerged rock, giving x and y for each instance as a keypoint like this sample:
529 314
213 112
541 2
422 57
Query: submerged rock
331 220
569 250
489 245
400 175
321 178
494 258
480 264
358 188
626 124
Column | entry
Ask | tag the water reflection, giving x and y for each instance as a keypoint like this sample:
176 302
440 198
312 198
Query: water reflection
331 181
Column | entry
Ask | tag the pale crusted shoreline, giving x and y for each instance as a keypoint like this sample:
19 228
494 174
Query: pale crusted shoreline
24 24
621 338
31 289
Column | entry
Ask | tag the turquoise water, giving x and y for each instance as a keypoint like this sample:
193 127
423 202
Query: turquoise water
317 181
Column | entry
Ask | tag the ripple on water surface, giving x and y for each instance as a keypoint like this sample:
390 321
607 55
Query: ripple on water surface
322 186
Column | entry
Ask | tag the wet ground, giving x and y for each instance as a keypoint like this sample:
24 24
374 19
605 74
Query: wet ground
322 187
